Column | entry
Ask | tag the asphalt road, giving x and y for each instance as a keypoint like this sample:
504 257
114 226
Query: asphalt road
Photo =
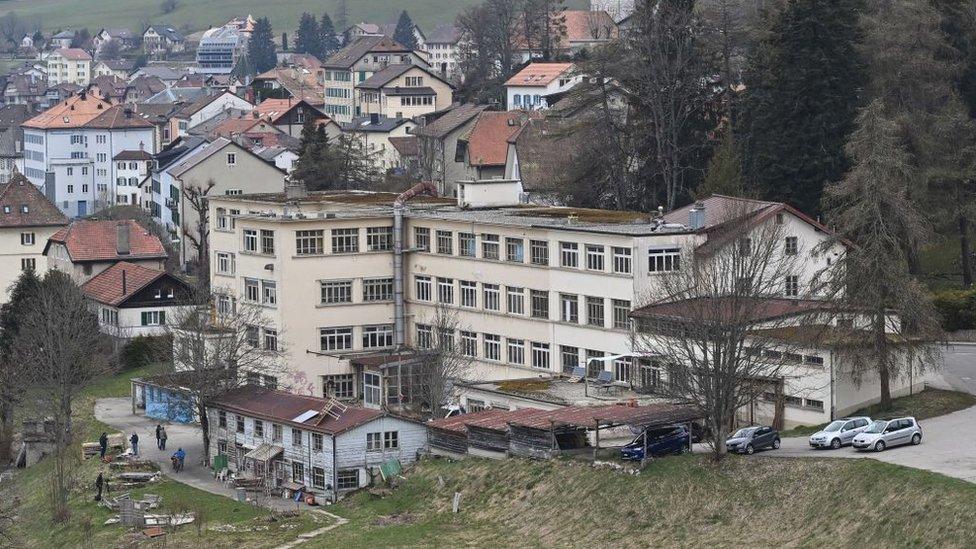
959 367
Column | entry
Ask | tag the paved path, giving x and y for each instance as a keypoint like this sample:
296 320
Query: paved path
959 367
117 412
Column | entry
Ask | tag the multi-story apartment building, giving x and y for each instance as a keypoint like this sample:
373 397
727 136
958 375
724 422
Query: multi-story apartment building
220 49
442 51
403 91
132 167
530 87
69 151
534 290
72 65
354 64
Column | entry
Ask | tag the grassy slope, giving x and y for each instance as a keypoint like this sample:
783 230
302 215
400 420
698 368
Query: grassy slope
284 14
676 502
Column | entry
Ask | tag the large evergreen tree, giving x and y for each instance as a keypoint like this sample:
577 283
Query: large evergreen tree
327 164
12 314
404 32
261 46
803 89
307 37
328 41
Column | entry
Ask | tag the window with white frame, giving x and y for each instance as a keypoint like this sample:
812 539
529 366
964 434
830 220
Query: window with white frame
421 238
469 293
28 264
569 308
621 260
595 311
516 351
539 252
153 318
225 263
791 246
379 239
270 339
377 289
318 477
569 254
336 291
251 240
792 288
540 355
269 292
467 247
516 300
491 297
378 337
663 260
345 241
252 290
335 339
374 442
569 358
489 246
623 370
445 290
540 303
594 257
621 313
267 242
231 159
425 336
309 242
445 242
423 288
391 440
493 346
469 343
27 239
515 250
347 480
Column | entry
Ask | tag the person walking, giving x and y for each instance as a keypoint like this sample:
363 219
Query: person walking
99 483
102 445
134 440
159 429
178 458
162 438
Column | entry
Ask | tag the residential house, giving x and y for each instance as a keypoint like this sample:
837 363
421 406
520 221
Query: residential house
62 39
585 30
119 68
374 133
407 154
442 51
160 184
85 248
68 150
441 160
59 94
124 37
27 220
159 40
24 89
249 131
133 300
359 30
297 83
403 91
132 168
530 88
158 114
483 149
167 74
233 170
299 443
282 157
290 116
12 140
618 10
69 65
204 108
141 88
109 87
220 48
355 63
27 42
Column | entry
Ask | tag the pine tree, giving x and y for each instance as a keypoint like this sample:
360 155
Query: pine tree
243 70
404 32
284 41
802 94
307 37
328 42
724 175
261 47
11 315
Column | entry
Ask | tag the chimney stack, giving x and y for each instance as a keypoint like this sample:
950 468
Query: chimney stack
122 238
295 190
696 216
124 289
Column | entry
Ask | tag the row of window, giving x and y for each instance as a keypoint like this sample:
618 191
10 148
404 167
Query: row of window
335 292
261 337
264 292
796 401
379 336
522 301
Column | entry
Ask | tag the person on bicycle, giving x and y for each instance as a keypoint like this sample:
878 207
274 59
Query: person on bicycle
178 458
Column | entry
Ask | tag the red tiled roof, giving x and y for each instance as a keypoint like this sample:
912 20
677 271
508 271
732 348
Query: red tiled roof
459 423
274 109
74 54
74 112
488 140
282 407
118 117
588 26
106 286
20 192
88 240
538 74
406 145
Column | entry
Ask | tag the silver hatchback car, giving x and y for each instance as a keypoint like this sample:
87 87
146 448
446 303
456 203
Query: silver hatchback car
840 432
884 434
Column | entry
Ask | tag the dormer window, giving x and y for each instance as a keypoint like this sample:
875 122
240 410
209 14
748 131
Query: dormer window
6 209
24 208
159 294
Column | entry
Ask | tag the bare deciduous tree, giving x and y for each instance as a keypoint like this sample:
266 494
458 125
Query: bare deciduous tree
60 339
197 197
440 365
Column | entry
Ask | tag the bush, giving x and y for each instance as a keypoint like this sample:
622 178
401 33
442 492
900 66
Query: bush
142 351
958 309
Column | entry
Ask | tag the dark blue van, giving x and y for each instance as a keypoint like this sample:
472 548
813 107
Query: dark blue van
661 441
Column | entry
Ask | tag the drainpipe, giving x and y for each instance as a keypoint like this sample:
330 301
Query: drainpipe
399 205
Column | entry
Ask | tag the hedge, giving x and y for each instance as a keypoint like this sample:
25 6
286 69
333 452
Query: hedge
958 309
144 350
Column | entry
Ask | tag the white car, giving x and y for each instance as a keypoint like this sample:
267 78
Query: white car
840 432
884 434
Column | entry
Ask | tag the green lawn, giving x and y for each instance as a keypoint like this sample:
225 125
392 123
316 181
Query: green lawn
198 15
923 405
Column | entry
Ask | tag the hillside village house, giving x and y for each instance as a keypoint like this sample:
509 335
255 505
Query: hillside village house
27 220
537 290
203 109
12 139
69 65
132 300
132 167
63 39
483 149
290 116
303 443
374 133
85 248
442 51
124 37
403 91
354 64
68 151
359 30
437 141
585 30
220 48
528 89
120 68
162 39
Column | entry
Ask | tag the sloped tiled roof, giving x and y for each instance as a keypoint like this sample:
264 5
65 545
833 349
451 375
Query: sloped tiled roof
133 155
90 240
588 26
17 193
106 286
274 109
488 139
74 54
119 117
73 112
349 55
301 83
406 145
451 120
443 34
539 74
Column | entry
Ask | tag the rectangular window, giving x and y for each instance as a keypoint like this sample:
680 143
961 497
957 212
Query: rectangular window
378 289
275 433
594 257
250 240
516 300
335 339
623 370
539 250
153 318
469 293
298 472
270 339
391 440
540 303
515 250
225 263
345 241
664 260
374 442
267 242
347 480
594 311
445 242
231 159
269 292
569 308
379 239
445 290
466 245
516 351
489 246
28 264
296 437
425 336
378 337
594 367
339 386
318 477
309 242
222 419
569 357
317 442
792 245
423 286
569 254
621 260
792 286
336 291
493 347
621 313
258 428
540 355
469 344
491 297
239 424
27 239
421 238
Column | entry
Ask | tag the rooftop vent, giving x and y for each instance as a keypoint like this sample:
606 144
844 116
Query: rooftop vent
696 216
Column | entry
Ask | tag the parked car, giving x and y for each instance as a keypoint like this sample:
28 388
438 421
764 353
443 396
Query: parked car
660 441
840 432
749 439
884 434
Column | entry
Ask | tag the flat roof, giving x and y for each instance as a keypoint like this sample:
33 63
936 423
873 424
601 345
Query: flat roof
559 391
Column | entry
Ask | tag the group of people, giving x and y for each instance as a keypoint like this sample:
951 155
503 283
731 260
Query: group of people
178 458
